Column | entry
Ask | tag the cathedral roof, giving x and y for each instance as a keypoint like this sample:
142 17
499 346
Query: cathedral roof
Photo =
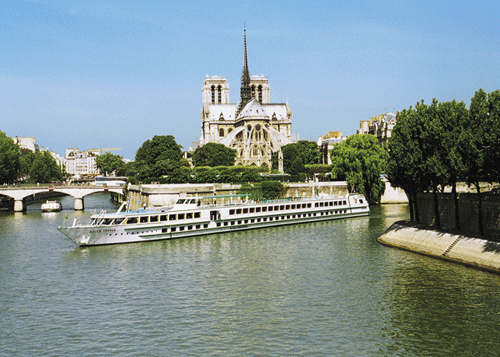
253 110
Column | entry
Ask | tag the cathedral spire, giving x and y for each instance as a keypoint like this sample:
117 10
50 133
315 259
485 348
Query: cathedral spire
245 91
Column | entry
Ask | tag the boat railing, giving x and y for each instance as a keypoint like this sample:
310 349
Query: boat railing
100 217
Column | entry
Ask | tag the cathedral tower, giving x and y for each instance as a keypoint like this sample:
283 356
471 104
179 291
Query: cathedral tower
255 127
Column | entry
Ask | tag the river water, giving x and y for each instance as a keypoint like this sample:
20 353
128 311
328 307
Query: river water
320 289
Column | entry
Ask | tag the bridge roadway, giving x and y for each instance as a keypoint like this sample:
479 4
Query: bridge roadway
20 193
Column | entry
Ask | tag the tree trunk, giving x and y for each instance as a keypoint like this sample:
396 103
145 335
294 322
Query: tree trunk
437 216
479 208
415 202
455 199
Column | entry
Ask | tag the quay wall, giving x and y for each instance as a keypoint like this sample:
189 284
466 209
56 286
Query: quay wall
468 212
475 252
163 195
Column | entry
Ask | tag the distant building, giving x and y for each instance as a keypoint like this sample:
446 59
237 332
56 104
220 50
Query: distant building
255 127
26 144
81 163
380 126
325 144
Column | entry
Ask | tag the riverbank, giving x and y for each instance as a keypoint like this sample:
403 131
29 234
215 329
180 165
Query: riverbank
474 252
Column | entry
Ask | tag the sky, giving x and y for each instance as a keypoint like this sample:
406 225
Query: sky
113 74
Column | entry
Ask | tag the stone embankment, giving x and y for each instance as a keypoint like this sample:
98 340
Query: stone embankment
475 252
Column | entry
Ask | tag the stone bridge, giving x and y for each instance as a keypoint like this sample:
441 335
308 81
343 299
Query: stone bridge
19 194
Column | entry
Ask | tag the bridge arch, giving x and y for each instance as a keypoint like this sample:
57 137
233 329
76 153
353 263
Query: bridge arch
19 194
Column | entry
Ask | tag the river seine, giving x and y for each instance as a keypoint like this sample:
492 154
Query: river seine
321 289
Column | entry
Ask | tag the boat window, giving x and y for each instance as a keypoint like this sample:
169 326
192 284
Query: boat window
173 229
153 219
276 208
360 200
287 206
226 223
238 211
163 218
164 230
181 201
171 217
198 226
189 215
106 221
264 209
345 202
190 228
144 219
181 228
119 221
180 216
308 205
252 210
245 210
197 215
257 209
205 225
131 220
233 223
270 208
231 211
316 204
193 201
219 224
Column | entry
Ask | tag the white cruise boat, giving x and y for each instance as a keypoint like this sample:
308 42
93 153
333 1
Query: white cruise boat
51 206
192 216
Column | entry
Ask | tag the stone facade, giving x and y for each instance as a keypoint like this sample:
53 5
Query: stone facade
255 127
380 126
81 163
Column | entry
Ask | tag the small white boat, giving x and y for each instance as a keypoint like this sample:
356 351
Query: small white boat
51 206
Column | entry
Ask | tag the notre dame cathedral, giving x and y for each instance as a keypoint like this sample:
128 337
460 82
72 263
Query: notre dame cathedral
255 127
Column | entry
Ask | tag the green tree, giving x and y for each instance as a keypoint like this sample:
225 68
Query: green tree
479 142
265 190
308 151
360 161
44 168
108 163
453 117
206 176
9 159
160 148
213 154
179 175
404 167
157 157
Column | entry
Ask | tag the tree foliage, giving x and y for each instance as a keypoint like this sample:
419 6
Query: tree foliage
41 167
157 157
265 190
296 155
9 159
360 161
213 154
437 145
108 163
